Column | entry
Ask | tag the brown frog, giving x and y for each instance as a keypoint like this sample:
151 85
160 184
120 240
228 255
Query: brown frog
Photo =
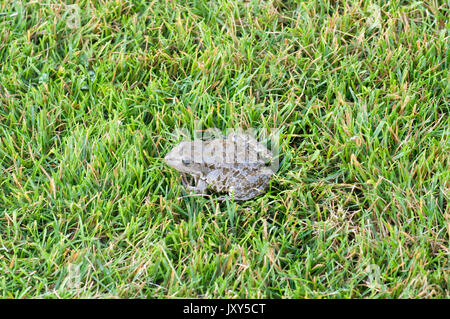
235 164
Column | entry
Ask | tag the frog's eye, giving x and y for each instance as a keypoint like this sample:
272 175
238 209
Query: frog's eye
186 161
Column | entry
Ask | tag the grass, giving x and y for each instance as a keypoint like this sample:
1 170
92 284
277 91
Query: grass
358 208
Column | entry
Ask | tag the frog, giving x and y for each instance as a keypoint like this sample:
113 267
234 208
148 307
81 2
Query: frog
236 164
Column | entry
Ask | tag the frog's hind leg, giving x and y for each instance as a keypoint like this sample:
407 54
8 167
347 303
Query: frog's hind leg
237 197
242 194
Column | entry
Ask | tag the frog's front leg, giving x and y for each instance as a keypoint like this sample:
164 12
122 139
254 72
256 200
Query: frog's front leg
200 186
184 180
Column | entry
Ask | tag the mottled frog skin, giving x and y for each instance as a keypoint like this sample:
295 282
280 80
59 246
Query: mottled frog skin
235 164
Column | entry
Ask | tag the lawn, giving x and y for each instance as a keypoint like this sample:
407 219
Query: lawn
91 98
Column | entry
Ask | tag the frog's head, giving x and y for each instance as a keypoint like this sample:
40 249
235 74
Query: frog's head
185 157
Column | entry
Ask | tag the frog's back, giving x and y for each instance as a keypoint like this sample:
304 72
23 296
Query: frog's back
243 180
